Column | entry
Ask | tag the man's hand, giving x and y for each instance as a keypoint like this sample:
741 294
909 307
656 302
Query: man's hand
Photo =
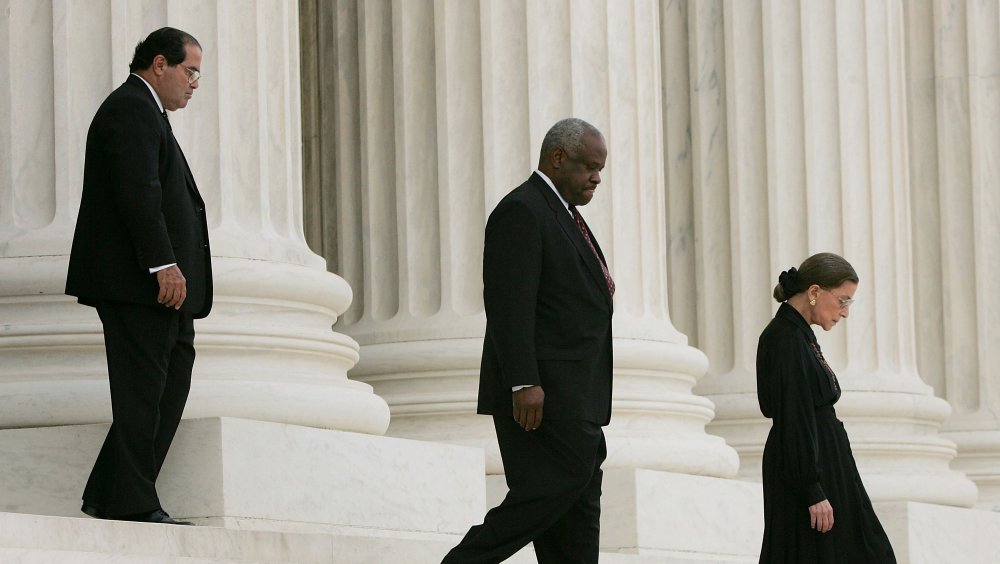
528 407
173 287
821 516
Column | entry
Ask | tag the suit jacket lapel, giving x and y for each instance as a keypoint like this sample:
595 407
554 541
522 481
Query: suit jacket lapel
192 187
188 176
136 82
565 221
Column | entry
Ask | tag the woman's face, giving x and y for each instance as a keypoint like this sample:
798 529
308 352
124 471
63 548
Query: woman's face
831 305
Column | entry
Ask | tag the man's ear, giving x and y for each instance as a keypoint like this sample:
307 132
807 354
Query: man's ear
557 157
159 65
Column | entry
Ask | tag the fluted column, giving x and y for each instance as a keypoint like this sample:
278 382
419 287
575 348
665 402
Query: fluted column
267 351
452 100
805 150
717 203
954 118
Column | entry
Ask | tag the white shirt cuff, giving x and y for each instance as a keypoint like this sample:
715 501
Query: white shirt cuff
159 268
516 388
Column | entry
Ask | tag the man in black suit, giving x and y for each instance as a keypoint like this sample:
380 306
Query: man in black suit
548 297
141 257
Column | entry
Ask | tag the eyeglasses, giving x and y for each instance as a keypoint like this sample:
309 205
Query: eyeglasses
193 75
844 302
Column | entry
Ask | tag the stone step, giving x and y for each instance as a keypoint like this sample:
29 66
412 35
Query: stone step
43 556
920 533
31 539
38 539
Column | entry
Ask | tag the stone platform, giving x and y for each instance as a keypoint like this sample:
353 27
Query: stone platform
276 493
922 533
246 474
35 539
673 518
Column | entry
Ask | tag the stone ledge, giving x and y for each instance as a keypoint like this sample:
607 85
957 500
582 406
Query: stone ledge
270 476
657 517
922 533
38 539
33 539
681 517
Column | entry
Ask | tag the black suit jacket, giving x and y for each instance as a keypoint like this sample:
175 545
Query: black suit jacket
548 309
140 208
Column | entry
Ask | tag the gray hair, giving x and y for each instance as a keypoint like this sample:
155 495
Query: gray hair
567 134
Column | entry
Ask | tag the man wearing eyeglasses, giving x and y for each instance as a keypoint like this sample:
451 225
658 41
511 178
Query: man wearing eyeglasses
140 256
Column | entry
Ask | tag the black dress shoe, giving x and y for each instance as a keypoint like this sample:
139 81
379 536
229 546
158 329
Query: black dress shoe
93 511
157 516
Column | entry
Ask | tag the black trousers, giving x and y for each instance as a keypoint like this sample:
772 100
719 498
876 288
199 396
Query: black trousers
150 355
554 475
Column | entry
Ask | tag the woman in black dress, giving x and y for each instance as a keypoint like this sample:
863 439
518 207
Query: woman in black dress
815 506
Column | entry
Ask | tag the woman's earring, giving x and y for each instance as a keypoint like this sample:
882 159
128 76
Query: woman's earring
812 302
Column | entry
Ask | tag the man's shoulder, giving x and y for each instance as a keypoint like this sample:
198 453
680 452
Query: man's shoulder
527 193
526 199
129 97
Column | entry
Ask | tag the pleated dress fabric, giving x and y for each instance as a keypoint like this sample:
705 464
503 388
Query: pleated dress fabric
807 457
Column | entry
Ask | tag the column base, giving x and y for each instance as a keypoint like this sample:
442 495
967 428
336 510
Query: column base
266 352
656 421
895 437
740 423
979 459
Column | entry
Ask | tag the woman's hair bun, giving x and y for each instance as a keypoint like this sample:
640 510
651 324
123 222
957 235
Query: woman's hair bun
788 285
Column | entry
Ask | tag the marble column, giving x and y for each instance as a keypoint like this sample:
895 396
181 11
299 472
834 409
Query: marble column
440 108
799 145
714 124
267 352
954 120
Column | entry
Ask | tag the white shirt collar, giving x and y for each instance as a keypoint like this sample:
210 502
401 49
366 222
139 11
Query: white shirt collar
151 91
553 186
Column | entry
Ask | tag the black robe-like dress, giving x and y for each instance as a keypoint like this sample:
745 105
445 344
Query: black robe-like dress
807 457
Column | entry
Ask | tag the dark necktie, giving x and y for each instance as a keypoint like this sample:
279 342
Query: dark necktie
582 226
166 119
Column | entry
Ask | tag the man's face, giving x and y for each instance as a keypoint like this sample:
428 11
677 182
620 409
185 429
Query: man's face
578 175
175 85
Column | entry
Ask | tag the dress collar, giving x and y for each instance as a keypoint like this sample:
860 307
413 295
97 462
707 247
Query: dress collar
791 314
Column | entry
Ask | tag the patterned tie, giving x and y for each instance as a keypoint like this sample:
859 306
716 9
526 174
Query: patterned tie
582 226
